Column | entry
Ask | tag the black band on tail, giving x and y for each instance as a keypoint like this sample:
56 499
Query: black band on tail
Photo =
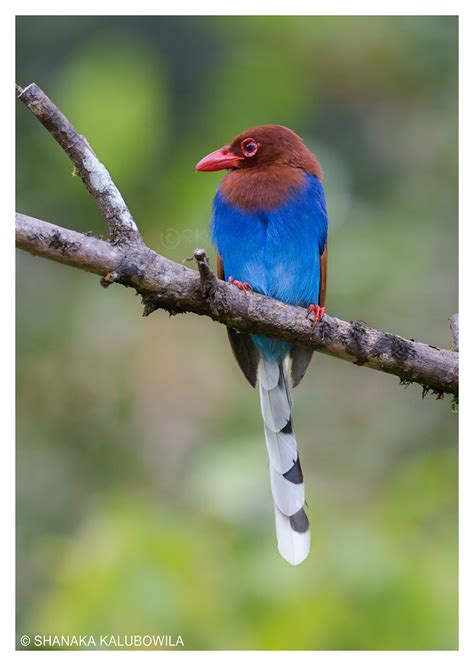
295 473
299 522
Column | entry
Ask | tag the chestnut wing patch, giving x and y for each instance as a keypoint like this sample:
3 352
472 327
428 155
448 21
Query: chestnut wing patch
323 274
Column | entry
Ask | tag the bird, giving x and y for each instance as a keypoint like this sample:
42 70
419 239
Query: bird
269 226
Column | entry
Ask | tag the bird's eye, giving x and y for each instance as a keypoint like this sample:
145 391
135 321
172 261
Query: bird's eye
249 147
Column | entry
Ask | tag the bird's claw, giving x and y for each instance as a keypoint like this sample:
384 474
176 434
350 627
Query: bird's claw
317 311
244 286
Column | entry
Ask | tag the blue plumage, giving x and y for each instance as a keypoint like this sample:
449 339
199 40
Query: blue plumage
276 251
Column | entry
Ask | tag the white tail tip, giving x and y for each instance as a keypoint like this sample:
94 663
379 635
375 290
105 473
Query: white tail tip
293 546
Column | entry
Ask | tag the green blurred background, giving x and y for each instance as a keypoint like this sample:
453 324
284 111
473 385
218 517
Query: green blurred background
143 500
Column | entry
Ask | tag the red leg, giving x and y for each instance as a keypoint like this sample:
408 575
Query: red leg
317 311
240 285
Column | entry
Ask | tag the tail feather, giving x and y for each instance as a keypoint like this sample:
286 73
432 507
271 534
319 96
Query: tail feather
287 495
268 373
286 477
281 448
293 544
276 408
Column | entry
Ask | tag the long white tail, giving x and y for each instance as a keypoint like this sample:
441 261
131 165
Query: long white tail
286 477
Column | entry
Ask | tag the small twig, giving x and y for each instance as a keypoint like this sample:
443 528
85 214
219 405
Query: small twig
211 286
208 279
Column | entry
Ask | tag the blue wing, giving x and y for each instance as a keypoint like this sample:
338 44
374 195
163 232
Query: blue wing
277 252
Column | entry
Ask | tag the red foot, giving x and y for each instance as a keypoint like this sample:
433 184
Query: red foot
240 285
317 311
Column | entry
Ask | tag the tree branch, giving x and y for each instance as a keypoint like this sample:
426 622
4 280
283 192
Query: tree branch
167 285
173 287
95 176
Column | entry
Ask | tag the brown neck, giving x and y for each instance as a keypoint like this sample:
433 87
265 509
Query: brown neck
262 187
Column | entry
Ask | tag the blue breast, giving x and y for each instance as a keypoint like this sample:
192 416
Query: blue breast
276 251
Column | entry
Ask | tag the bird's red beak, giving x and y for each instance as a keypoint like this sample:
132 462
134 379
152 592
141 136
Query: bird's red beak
219 159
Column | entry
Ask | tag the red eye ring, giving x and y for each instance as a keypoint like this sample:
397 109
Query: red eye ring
249 147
